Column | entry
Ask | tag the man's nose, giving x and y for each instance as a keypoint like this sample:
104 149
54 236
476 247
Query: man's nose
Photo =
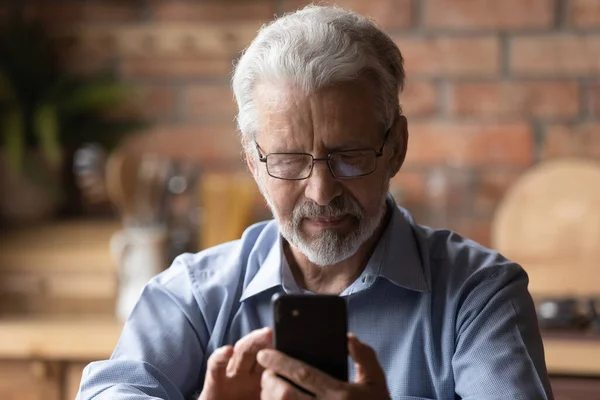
321 186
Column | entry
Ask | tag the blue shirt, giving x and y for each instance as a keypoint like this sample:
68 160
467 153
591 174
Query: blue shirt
447 317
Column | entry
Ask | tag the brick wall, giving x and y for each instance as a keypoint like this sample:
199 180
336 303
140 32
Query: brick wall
493 86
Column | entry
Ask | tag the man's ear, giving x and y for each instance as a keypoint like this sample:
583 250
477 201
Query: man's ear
249 155
399 144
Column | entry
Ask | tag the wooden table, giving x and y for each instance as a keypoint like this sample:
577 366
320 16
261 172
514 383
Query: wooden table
46 355
42 358
570 356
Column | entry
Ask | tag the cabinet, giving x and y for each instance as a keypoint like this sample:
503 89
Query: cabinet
39 379
42 359
572 388
30 380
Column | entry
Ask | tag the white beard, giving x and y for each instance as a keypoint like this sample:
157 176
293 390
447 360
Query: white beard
329 246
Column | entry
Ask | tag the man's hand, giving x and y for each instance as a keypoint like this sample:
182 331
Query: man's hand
232 372
370 380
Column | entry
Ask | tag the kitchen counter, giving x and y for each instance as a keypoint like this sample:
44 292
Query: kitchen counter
56 338
91 339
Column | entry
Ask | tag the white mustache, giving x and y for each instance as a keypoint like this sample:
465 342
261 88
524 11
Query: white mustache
337 208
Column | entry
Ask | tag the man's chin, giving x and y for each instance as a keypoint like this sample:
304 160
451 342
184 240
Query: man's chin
323 236
312 230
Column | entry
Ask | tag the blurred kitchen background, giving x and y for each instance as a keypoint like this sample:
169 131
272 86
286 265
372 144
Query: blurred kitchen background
119 151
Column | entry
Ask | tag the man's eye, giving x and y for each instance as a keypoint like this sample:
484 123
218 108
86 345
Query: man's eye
352 158
288 161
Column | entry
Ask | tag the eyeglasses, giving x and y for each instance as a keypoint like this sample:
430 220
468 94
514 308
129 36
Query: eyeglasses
342 164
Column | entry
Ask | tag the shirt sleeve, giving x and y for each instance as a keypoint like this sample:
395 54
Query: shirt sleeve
160 352
499 352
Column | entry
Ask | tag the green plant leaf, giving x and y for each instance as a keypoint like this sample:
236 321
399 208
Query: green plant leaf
94 96
46 127
14 140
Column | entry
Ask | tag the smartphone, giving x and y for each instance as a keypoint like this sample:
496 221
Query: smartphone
313 329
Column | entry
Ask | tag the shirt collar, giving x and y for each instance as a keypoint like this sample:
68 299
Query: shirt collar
400 257
396 258
269 273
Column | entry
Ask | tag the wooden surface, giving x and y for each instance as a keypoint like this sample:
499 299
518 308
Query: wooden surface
549 222
58 339
228 201
72 379
30 380
61 267
93 339
573 356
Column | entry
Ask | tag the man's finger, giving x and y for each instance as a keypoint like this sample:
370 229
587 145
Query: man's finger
368 368
244 354
273 387
300 373
217 362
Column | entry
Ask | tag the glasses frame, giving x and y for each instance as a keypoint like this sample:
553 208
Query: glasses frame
263 158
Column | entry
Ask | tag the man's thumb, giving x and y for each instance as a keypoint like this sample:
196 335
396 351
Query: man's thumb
368 369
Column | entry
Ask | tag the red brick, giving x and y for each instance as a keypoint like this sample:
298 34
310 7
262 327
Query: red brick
93 43
595 99
450 56
410 186
206 144
82 66
572 141
213 10
491 188
65 13
419 99
210 100
515 99
558 54
448 191
176 67
152 102
389 14
169 40
111 11
478 230
54 14
470 144
489 14
584 13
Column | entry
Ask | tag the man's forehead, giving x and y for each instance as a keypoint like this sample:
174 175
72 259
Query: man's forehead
338 112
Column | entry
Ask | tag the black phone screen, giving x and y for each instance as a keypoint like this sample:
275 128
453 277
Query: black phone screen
313 329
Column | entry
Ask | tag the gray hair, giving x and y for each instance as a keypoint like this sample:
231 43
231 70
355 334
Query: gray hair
315 47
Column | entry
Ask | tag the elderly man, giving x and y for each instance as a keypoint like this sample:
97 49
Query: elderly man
432 315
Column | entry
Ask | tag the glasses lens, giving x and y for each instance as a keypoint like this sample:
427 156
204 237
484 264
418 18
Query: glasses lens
289 166
348 164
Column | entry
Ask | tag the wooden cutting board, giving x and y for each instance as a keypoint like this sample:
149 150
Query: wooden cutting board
549 222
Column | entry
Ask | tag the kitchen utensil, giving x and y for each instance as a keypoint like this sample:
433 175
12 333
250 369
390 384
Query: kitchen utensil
89 166
151 190
121 177
549 222
227 205
140 254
